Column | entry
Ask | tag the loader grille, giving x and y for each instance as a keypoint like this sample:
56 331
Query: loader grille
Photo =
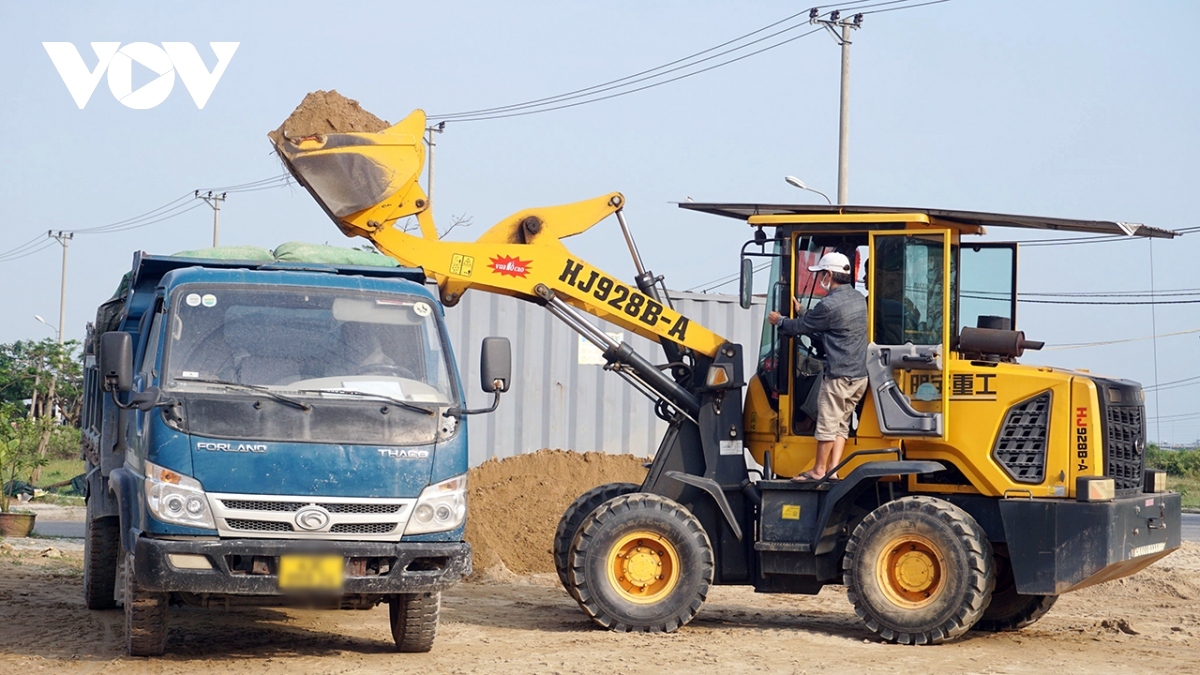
1021 445
1125 445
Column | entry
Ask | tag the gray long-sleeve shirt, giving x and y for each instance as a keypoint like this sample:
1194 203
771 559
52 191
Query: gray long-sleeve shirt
841 318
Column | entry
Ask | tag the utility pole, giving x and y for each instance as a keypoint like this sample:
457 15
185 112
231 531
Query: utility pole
63 238
843 39
214 200
429 132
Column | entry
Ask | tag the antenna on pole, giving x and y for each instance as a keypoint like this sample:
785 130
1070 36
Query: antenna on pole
214 200
63 238
438 128
831 24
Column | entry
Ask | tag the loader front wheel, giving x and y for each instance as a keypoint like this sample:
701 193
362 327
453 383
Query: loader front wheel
573 517
1008 609
919 570
641 562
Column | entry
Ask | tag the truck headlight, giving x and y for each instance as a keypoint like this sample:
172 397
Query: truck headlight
441 507
175 498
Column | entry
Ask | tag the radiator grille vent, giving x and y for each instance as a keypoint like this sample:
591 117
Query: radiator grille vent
1021 445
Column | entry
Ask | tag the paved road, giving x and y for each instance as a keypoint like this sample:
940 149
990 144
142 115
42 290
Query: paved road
1191 528
52 528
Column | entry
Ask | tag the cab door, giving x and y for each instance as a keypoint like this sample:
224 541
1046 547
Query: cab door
910 321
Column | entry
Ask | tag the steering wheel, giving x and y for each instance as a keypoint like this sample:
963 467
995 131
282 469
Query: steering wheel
391 369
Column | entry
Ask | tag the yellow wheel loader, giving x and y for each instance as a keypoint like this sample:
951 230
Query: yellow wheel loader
974 491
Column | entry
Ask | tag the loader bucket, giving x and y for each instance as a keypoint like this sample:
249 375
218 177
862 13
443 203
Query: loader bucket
363 180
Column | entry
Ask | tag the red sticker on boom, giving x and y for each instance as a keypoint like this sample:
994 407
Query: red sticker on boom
511 266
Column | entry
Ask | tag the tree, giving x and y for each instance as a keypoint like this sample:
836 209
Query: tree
50 377
20 437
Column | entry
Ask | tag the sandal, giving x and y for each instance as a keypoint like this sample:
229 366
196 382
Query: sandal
806 477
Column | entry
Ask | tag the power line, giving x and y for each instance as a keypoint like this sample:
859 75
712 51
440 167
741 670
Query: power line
591 94
597 88
1077 345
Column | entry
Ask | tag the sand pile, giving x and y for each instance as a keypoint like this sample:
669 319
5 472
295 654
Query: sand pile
327 112
514 504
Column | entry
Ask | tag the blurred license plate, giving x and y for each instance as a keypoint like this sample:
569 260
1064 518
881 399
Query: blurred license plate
311 572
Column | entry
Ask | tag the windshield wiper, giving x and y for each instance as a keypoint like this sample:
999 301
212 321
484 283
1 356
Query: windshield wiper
253 387
368 394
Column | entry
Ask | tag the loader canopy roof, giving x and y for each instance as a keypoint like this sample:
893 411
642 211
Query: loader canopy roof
867 217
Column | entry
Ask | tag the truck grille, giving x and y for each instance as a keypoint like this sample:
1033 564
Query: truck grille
1125 445
289 517
363 528
258 525
256 505
1021 445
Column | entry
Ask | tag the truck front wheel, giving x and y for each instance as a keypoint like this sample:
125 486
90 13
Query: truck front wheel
145 616
101 554
414 618
641 562
919 570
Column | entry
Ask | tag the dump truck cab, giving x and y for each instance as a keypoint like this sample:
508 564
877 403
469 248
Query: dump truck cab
273 433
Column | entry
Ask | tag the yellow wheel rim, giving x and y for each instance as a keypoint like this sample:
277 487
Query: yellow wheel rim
910 570
643 567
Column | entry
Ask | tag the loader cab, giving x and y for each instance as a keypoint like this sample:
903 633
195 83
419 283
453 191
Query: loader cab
911 269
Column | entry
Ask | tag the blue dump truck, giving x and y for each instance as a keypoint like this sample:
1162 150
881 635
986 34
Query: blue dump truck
269 433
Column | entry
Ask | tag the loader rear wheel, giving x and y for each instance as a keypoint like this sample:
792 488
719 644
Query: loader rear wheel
145 616
101 555
573 517
414 619
919 570
641 562
1008 609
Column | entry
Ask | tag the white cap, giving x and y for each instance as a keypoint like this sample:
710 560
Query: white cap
832 262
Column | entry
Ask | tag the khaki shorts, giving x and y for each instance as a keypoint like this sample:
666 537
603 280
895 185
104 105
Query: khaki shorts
835 405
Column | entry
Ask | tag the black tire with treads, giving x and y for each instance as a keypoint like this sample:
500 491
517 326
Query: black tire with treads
145 616
573 517
660 519
101 556
414 620
1009 610
964 563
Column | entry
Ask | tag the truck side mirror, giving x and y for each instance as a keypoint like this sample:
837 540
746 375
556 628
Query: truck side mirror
495 364
746 283
116 361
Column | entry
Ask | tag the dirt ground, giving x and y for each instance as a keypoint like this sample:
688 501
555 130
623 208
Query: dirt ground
1149 623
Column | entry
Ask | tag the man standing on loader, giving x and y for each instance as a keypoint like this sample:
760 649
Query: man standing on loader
841 319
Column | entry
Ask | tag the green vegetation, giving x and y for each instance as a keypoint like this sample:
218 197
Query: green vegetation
1183 471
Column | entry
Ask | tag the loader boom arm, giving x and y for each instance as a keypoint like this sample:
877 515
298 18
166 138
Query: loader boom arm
368 184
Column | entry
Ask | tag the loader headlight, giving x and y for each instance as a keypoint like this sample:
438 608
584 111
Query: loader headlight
175 498
441 507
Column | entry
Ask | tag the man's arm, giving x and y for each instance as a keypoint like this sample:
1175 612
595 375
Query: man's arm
815 320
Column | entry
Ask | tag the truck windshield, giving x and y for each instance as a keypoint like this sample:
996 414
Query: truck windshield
309 343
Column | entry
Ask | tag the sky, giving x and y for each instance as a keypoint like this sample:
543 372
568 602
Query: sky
1076 109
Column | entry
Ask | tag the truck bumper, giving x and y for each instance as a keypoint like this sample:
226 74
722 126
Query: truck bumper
250 566
1056 545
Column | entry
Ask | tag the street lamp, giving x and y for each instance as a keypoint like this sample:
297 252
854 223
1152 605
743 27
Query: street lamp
796 182
57 331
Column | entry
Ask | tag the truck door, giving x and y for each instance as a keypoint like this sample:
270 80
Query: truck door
910 322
